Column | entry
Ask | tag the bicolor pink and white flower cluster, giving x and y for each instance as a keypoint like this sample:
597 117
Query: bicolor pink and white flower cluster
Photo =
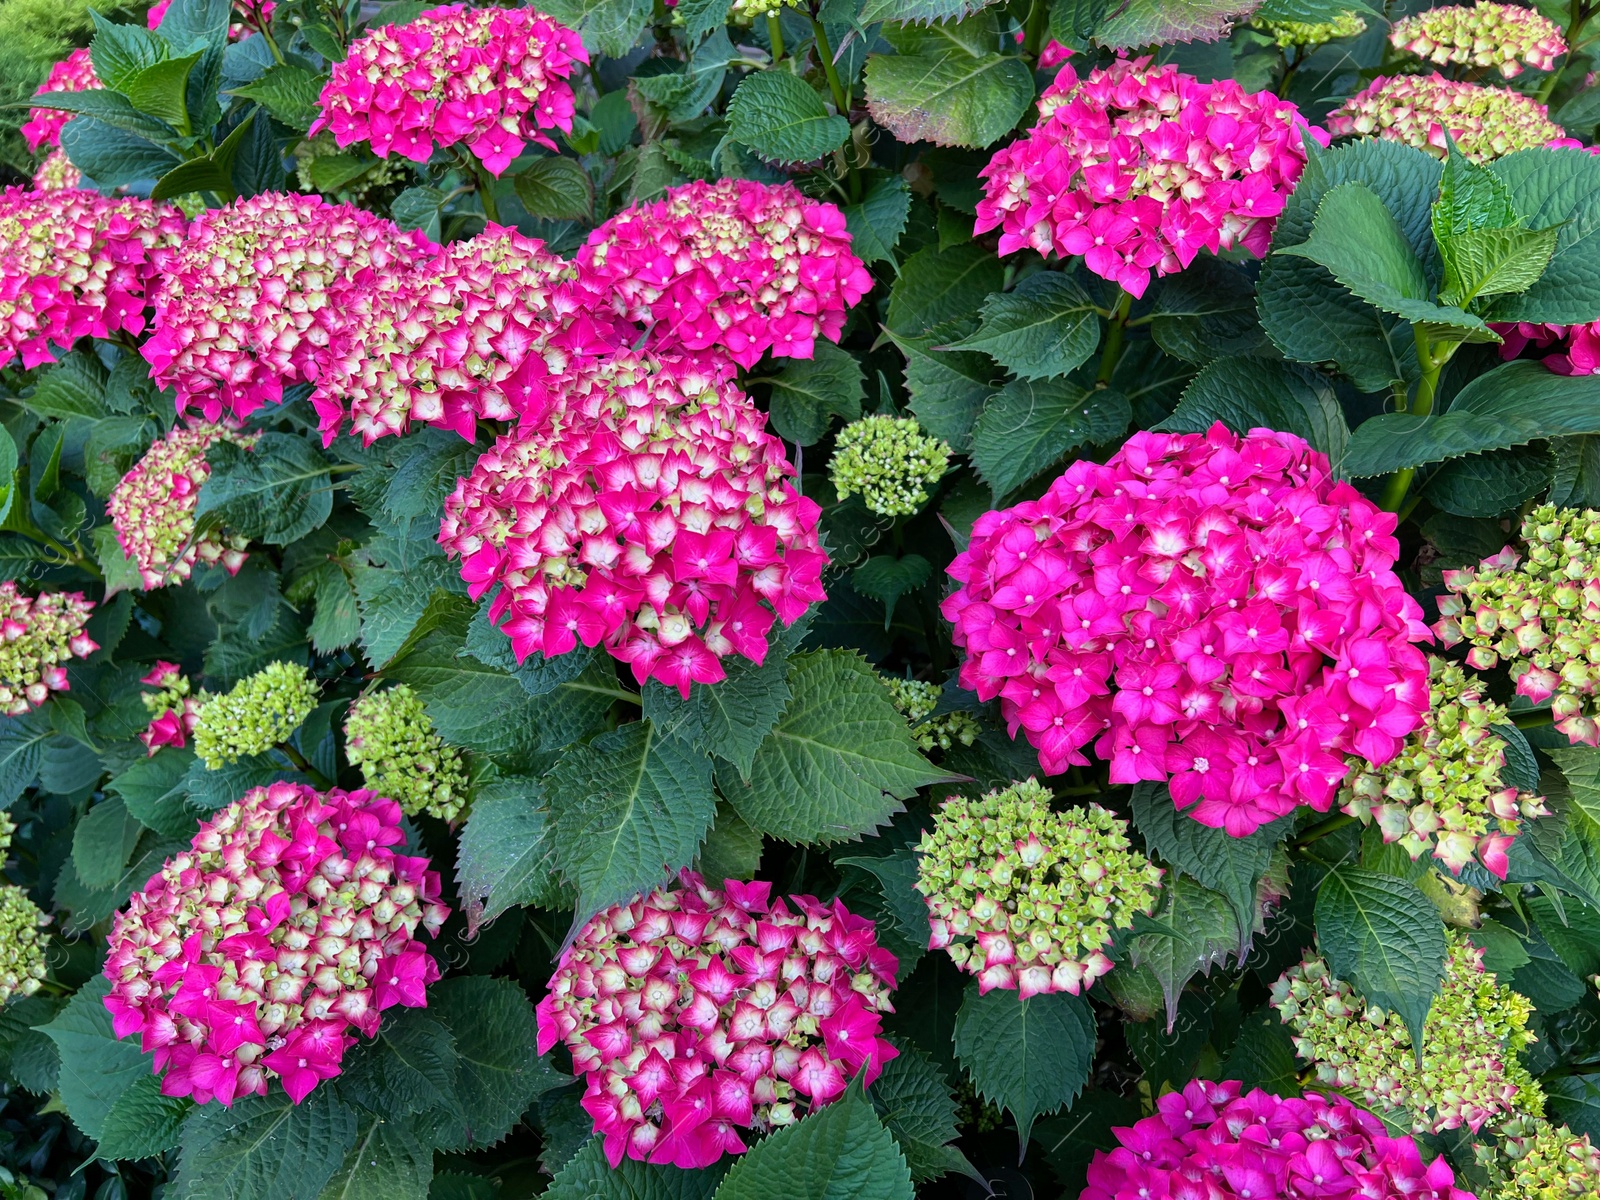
695 1013
1420 110
1506 37
734 266
37 635
1209 1142
74 73
649 511
152 508
56 173
1576 348
476 330
76 264
173 711
1138 169
253 955
491 79
260 291
1213 611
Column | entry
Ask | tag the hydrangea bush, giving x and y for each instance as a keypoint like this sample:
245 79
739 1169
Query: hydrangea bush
834 599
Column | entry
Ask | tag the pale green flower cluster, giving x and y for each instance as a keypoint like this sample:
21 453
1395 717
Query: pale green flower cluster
916 701
1026 897
1503 36
890 462
1536 1160
1471 1071
745 11
256 715
391 737
1308 35
22 937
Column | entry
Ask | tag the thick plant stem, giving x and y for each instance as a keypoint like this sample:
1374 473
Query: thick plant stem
775 35
1394 492
1321 830
1116 332
1033 32
841 99
491 209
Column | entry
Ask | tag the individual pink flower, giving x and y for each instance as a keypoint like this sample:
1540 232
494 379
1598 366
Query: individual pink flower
75 73
475 331
153 508
1213 611
1209 1142
647 510
1137 170
1576 347
490 79
76 264
698 1015
38 634
259 291
258 953
173 711
735 266
1420 110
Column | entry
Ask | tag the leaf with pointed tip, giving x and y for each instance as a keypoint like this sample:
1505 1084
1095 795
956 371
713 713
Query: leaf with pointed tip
1194 930
1160 22
1047 327
588 1176
947 85
1028 427
499 1071
731 717
263 1148
912 1098
807 393
387 1162
96 1068
506 855
1030 1057
142 1123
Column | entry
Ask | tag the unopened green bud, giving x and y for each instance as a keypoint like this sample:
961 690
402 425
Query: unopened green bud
256 715
890 462
391 737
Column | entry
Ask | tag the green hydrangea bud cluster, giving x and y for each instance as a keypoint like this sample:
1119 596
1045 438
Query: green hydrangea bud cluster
916 701
1541 613
890 462
256 715
1470 1071
1443 791
391 737
749 10
1025 897
22 937
1540 1161
1308 35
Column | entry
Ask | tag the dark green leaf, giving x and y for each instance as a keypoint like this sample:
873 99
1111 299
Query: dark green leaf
1575 1103
1045 328
276 493
588 1176
142 1123
947 85
808 393
948 388
913 1100
418 208
21 747
288 91
609 27
103 841
783 120
1263 1056
886 578
1071 1141
731 718
387 1162
263 1148
1556 188
1155 22
877 222
1030 1057
1194 930
1029 427
161 90
506 856
1250 393
211 172
556 189
1489 484
113 157
500 1070
1207 311
74 387
96 1068
938 285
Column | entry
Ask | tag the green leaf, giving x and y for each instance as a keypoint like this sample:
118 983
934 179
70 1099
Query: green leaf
838 763
120 51
1493 262
1385 937
1512 405
74 387
947 85
500 1069
336 623
948 388
897 876
22 742
1158 22
1263 1056
96 1068
1556 189
1071 1141
8 481
410 1068
161 89
609 27
1489 484
1575 1103
936 286
630 810
288 91
1073 22
1250 393
919 12
418 208
142 1123
1580 766
886 578
506 855
150 790
1194 929
1028 427
1030 1057
912 1098
191 21
113 157
732 849
1206 312
276 493
556 189
111 109
263 1148
841 1152
211 172
588 1176
731 718
877 222
809 392
103 841
783 120
700 17
387 1162
1045 328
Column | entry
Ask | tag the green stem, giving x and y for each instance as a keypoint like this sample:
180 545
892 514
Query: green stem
302 765
486 190
1289 70
1580 14
1035 28
272 43
841 98
1321 830
1116 331
1533 720
775 35
1394 493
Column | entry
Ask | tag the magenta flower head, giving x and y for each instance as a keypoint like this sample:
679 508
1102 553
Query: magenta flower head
1575 348
1419 110
75 73
490 79
695 1013
476 331
288 924
1209 1142
76 264
37 635
1139 169
152 508
649 511
259 291
1212 611
735 266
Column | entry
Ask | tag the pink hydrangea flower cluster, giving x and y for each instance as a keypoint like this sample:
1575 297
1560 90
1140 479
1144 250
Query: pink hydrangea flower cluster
1577 347
1209 1142
74 73
476 331
1213 611
152 508
76 264
1506 37
252 955
492 79
259 291
1139 169
174 712
651 512
695 1013
37 635
737 266
1419 110
56 173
